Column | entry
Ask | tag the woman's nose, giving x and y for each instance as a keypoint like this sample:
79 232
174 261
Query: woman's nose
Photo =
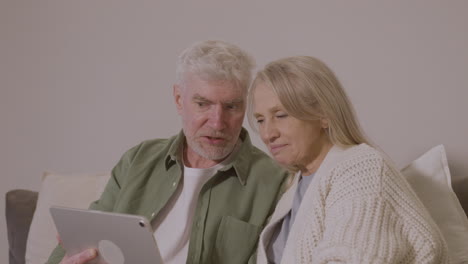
271 132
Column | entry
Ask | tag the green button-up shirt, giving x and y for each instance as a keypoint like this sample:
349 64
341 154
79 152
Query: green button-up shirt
232 208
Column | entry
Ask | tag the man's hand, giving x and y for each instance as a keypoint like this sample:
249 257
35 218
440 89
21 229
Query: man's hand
81 257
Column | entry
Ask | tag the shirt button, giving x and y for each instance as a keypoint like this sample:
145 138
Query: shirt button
152 215
174 184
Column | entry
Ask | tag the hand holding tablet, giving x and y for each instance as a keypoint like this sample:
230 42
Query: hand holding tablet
119 238
80 258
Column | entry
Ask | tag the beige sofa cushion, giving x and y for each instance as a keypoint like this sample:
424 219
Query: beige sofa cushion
429 176
71 190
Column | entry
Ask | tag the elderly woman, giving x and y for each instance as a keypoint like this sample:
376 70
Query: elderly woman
346 202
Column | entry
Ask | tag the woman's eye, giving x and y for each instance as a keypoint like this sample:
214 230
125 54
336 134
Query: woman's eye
281 115
259 121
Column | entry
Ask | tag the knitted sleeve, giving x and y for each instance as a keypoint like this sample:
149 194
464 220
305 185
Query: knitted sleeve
369 214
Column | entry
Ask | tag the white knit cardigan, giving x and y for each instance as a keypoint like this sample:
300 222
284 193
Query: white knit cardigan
357 209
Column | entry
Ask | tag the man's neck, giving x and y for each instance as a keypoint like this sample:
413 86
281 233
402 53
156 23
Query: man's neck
194 160
200 163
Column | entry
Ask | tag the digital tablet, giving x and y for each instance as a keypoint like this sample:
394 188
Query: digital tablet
119 238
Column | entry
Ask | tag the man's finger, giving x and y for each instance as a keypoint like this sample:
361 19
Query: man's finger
82 257
59 240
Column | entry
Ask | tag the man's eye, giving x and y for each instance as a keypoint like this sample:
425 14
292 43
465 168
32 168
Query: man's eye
259 121
201 104
233 105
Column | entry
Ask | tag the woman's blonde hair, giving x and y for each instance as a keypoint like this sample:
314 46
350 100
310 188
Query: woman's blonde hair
309 90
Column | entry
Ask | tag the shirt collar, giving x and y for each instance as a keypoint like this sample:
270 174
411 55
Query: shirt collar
174 156
240 164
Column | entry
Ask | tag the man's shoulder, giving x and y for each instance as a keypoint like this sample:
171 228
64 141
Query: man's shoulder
150 147
146 155
157 142
258 155
262 165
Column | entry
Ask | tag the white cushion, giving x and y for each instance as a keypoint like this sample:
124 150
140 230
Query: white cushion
72 190
429 176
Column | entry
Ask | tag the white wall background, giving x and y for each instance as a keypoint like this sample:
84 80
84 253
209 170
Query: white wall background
82 81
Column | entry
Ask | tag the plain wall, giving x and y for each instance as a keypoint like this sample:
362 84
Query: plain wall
83 81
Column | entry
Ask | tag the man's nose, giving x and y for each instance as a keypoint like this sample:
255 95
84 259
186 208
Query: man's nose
217 118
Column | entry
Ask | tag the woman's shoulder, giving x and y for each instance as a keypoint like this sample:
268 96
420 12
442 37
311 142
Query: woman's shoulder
357 164
361 154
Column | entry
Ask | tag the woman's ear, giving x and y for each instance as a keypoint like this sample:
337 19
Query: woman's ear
324 122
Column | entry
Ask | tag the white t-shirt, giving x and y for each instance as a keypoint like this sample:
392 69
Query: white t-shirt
173 224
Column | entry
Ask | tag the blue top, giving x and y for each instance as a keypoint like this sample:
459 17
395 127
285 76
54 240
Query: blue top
280 236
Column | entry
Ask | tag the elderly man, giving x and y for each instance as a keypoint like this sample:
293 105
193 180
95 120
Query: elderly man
207 191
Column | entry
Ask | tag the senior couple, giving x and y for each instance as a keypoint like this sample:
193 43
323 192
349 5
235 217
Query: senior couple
328 195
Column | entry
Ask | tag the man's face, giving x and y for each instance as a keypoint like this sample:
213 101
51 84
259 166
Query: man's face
212 114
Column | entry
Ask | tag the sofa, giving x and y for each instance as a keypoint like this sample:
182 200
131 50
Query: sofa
31 231
20 207
428 175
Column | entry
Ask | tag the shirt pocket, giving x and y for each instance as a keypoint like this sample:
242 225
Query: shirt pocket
235 241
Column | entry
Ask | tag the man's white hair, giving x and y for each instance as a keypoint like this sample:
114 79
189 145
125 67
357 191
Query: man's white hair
215 60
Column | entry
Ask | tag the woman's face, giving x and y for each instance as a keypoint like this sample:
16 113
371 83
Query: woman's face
291 141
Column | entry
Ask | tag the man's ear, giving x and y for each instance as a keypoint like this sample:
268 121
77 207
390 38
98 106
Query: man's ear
177 92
